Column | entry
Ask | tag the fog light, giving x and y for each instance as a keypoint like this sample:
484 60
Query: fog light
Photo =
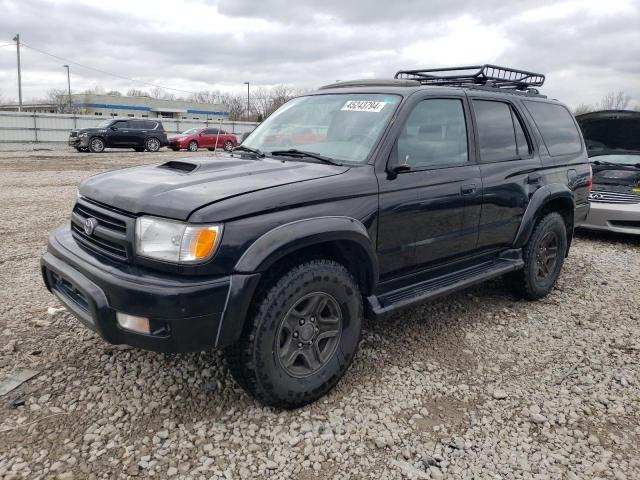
131 322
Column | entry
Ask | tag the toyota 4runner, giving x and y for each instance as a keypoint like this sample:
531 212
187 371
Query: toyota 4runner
410 188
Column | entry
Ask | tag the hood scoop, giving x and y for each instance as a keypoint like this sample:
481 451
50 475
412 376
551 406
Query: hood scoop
178 166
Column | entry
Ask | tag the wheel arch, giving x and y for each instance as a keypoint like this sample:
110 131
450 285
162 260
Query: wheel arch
343 239
550 198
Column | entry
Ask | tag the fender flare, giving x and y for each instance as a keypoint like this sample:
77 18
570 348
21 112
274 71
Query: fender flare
287 238
538 200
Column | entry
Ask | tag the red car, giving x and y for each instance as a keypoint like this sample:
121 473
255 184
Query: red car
196 138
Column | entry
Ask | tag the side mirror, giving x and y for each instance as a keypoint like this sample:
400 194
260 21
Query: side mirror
114 128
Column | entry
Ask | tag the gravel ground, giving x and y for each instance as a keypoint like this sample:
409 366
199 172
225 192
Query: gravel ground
476 385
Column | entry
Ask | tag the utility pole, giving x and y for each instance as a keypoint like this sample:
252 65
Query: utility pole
17 40
69 85
248 110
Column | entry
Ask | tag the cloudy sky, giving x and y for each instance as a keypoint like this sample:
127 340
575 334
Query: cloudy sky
586 48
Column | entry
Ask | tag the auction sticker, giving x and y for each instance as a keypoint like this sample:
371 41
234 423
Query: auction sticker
363 106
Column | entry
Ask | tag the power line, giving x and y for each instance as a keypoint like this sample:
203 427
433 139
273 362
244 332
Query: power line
8 45
104 72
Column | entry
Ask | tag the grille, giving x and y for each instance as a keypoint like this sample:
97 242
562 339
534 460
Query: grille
599 196
109 237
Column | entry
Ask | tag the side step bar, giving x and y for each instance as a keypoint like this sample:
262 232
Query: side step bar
387 303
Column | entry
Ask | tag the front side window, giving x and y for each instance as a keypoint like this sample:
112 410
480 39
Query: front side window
340 126
556 126
435 135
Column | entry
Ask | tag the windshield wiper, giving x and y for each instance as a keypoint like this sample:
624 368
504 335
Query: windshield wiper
292 152
255 151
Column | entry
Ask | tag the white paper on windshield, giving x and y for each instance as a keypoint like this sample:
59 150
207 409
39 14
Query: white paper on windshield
363 106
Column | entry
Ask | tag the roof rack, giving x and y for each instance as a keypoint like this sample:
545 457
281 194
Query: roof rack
479 75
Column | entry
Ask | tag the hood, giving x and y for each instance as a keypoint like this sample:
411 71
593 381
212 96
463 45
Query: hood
177 188
611 132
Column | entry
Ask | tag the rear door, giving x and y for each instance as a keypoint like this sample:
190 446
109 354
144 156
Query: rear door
510 169
139 132
429 210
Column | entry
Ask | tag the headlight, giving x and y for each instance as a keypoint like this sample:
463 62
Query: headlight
174 241
83 134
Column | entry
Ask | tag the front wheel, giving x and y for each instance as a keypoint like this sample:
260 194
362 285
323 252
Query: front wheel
193 146
543 258
152 144
96 145
301 336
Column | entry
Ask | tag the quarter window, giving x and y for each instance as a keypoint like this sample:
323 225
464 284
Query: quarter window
556 126
435 135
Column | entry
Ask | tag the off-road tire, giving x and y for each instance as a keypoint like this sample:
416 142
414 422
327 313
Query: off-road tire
253 360
525 282
96 145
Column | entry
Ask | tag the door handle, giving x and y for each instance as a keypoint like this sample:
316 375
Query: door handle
534 178
468 189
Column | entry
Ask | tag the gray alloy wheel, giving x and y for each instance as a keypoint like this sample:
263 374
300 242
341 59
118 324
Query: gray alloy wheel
96 145
228 145
309 334
193 146
152 144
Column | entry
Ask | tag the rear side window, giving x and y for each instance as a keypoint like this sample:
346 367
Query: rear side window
495 129
148 124
557 127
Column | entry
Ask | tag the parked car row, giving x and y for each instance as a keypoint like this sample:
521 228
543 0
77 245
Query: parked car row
149 135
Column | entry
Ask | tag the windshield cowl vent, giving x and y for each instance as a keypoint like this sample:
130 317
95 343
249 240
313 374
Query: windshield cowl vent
184 167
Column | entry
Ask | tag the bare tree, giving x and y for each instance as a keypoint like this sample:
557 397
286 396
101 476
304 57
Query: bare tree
614 101
97 90
59 98
114 93
205 96
235 104
134 92
161 94
581 109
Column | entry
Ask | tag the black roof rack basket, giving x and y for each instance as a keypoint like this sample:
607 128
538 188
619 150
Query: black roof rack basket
486 75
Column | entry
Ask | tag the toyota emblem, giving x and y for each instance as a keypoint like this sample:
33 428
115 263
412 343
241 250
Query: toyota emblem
90 225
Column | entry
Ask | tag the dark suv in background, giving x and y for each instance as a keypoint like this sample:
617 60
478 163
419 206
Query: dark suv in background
412 188
139 134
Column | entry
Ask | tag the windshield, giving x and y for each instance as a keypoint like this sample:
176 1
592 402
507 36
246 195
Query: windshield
104 123
618 159
191 131
338 126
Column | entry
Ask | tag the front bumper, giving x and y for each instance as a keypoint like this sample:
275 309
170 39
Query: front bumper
186 313
614 217
79 142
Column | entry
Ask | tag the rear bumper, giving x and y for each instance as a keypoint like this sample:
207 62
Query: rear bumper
186 313
614 217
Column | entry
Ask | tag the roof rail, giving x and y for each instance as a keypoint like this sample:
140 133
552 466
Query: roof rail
486 75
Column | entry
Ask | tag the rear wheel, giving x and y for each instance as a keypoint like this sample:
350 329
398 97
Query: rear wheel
301 336
543 258
152 144
96 145
228 145
193 146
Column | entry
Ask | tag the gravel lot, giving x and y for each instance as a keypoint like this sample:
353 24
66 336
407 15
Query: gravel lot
476 385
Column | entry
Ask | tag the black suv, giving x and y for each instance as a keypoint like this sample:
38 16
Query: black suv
139 134
408 189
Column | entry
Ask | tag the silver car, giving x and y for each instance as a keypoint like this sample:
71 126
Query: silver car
613 143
